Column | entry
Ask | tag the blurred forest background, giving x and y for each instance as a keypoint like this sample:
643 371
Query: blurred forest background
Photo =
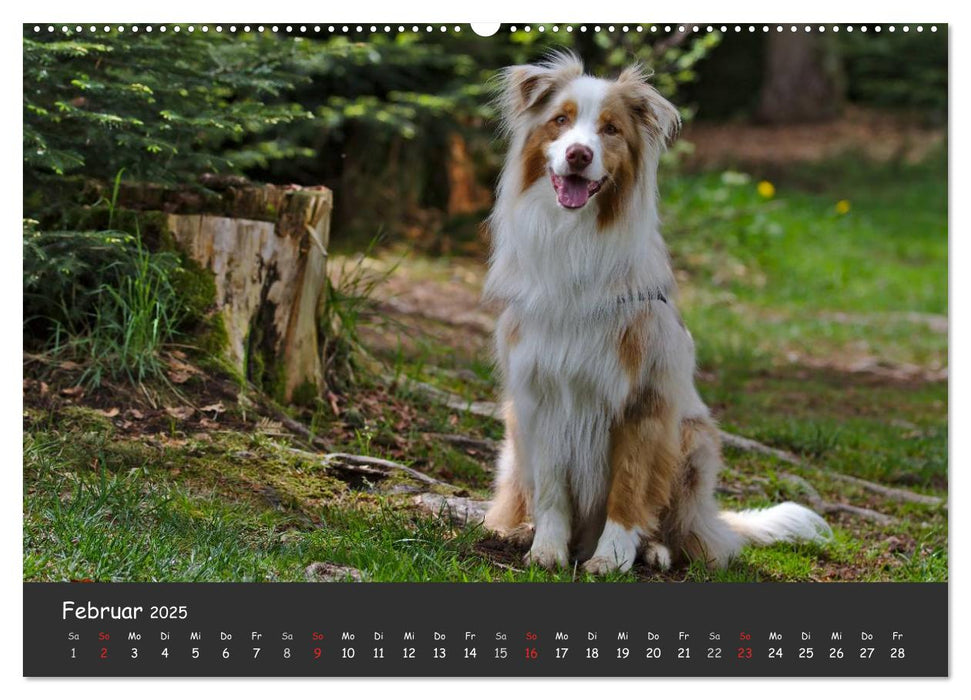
805 205
401 125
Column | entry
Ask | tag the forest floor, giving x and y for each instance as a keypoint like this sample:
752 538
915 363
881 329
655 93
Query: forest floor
818 303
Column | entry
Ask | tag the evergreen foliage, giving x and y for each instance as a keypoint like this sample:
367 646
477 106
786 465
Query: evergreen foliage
903 70
162 107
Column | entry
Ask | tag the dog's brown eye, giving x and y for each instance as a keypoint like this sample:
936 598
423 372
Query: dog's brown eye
561 120
610 130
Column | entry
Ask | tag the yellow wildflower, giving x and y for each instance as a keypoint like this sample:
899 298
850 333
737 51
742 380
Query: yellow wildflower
766 189
843 206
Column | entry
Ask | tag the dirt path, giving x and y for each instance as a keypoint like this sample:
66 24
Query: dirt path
878 136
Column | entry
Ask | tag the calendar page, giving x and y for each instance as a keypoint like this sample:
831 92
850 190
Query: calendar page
489 350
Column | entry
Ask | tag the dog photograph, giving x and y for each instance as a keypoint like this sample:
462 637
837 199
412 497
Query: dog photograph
435 303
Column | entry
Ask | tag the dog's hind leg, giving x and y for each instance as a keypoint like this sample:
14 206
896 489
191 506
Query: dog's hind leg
693 526
509 510
643 460
707 534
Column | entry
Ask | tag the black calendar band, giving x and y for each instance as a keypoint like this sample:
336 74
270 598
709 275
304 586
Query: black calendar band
476 629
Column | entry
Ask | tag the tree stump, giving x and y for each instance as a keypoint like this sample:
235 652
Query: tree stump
266 247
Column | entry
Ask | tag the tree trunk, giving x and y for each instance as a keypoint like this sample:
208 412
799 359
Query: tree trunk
801 81
266 247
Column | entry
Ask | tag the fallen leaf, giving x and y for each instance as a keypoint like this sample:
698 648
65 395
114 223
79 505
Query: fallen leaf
178 376
325 571
333 403
180 412
69 366
136 414
73 391
110 413
215 408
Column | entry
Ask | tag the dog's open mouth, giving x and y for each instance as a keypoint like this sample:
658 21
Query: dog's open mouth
574 191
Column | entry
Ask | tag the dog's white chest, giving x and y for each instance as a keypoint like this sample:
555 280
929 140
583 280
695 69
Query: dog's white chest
570 362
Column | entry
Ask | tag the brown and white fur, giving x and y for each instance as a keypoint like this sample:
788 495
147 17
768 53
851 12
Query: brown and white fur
609 449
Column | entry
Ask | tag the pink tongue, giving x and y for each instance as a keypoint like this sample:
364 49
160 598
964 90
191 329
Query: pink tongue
573 192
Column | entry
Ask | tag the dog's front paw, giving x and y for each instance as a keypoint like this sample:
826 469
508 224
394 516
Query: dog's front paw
548 555
598 566
616 550
658 556
520 536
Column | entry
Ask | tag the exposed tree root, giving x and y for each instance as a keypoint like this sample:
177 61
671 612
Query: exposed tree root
896 494
300 429
827 507
747 445
486 409
366 466
889 492
486 445
460 511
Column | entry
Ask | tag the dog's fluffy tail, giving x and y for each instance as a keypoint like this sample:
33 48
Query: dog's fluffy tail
722 537
702 531
786 522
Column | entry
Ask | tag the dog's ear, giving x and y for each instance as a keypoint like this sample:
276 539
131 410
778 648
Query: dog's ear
526 88
650 108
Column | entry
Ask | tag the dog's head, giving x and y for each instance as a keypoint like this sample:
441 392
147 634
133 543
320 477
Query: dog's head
584 138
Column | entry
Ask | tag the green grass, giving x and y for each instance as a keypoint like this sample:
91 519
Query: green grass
790 274
91 513
888 253
123 526
104 300
893 433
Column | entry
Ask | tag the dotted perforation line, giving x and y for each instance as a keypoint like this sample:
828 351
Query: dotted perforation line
246 28
428 28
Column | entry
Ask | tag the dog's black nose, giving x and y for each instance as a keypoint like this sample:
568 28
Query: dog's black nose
578 157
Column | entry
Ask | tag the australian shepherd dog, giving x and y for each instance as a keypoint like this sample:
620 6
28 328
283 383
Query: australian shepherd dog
609 450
